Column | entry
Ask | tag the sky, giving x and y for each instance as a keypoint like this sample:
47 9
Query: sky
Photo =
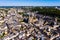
29 2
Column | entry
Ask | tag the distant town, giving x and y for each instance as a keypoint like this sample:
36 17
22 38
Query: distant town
29 23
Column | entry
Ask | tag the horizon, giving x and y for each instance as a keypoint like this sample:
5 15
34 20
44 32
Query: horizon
29 2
